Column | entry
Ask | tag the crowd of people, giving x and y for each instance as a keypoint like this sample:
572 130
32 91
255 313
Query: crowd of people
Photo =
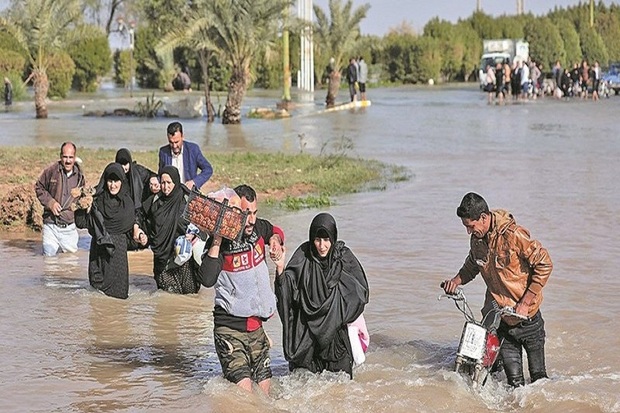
320 294
526 80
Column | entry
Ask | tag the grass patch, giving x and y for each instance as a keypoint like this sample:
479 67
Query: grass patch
291 181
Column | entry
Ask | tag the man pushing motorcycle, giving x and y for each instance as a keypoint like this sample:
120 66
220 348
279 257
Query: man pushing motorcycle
515 269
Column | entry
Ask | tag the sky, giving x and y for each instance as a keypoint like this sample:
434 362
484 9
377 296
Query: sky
386 14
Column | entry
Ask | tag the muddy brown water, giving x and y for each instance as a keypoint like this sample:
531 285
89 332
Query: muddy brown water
553 164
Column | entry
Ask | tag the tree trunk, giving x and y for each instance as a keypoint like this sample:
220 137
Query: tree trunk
41 87
203 58
332 88
236 92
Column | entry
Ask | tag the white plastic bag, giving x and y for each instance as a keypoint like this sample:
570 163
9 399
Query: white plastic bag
359 338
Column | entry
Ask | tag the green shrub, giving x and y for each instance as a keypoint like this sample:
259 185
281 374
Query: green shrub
11 63
92 58
122 70
60 74
8 42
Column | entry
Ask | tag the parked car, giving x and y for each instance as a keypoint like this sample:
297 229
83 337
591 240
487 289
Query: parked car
612 77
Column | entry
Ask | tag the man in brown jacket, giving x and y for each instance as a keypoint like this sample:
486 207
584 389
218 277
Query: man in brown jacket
53 189
515 269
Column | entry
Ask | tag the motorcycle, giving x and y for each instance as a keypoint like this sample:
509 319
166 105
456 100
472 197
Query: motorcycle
479 344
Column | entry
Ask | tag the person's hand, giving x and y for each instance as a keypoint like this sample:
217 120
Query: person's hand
56 208
276 250
280 260
449 286
139 236
522 309
190 184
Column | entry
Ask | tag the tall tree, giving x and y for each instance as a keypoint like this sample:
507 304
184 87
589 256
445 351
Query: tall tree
41 27
236 31
336 36
546 45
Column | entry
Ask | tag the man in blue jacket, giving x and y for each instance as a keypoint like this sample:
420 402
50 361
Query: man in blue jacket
186 157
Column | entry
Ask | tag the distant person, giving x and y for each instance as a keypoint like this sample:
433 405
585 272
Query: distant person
184 81
595 75
489 83
111 223
322 290
515 268
243 295
53 190
362 77
352 79
525 79
186 157
8 92
584 73
499 82
507 76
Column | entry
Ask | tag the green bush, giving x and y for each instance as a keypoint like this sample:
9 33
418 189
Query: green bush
122 71
8 42
60 74
92 58
11 63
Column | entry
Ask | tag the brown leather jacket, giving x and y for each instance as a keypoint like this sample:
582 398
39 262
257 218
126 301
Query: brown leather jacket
49 188
510 262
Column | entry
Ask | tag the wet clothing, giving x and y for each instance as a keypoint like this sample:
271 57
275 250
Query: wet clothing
317 298
528 335
59 232
243 300
243 354
110 224
161 215
512 263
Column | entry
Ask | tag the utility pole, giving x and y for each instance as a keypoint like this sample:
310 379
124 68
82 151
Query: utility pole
520 7
306 73
128 27
591 13
478 6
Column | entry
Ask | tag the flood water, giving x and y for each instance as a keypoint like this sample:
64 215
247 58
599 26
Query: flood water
554 165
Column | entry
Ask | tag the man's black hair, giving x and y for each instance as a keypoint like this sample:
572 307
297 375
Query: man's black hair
246 191
472 206
174 127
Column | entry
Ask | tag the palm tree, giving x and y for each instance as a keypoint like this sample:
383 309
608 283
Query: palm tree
195 34
40 26
236 31
336 36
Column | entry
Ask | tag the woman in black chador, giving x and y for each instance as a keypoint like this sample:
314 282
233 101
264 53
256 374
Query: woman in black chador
110 222
321 291
162 214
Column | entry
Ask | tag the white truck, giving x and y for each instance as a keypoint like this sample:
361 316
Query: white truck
498 50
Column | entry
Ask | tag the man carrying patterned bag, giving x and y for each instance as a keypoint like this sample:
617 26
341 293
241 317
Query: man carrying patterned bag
243 295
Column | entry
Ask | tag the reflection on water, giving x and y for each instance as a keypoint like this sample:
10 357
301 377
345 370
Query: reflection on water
65 347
